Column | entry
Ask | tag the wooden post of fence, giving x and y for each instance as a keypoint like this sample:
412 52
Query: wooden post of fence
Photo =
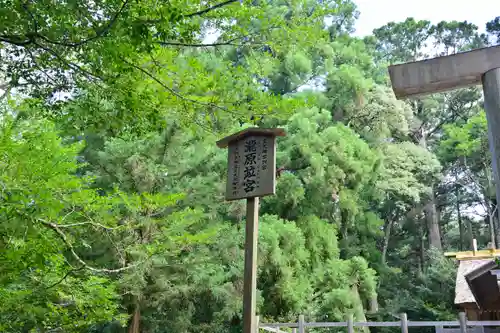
302 328
404 323
257 322
350 323
294 330
463 322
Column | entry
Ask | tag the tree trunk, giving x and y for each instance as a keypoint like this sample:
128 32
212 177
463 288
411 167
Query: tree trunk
496 225
471 234
344 233
135 320
491 222
459 219
387 230
134 325
490 198
430 210
421 252
432 218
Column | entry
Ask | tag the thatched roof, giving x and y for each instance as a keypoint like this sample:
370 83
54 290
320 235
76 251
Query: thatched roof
463 293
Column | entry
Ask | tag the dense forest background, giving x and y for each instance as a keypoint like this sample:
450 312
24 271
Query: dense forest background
112 211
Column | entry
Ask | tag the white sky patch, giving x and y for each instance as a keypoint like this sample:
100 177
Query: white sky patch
211 36
376 13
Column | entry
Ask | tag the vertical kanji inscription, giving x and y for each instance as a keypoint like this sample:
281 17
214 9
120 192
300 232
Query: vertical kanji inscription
249 174
251 169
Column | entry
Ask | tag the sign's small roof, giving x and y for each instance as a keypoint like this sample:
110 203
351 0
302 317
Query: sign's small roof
223 143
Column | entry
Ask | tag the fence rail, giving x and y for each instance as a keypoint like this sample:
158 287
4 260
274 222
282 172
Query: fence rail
301 325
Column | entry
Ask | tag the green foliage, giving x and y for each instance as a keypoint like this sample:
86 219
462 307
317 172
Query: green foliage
469 140
493 28
40 288
112 194
134 65
55 223
323 157
435 289
402 41
407 173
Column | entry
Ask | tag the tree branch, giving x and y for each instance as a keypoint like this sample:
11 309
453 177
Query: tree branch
31 37
226 43
198 45
452 117
68 63
209 9
6 88
33 58
65 276
172 91
98 34
62 235
33 19
84 223
15 40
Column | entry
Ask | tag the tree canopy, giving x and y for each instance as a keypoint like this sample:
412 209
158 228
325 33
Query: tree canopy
112 208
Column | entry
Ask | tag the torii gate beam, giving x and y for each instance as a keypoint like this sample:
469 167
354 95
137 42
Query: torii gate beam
457 71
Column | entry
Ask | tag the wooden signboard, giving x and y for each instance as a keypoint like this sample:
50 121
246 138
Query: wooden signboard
251 163
251 168
251 174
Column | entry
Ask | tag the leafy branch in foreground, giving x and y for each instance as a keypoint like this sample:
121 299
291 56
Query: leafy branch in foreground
39 285
101 24
63 239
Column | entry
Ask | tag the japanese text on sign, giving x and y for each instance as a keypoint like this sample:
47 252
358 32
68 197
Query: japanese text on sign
251 168
236 170
249 175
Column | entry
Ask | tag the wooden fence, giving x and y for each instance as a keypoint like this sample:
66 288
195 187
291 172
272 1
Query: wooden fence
460 326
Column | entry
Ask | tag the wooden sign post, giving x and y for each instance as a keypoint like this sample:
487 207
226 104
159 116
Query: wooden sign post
457 71
251 174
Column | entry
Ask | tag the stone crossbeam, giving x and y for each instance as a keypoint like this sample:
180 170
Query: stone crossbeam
445 73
